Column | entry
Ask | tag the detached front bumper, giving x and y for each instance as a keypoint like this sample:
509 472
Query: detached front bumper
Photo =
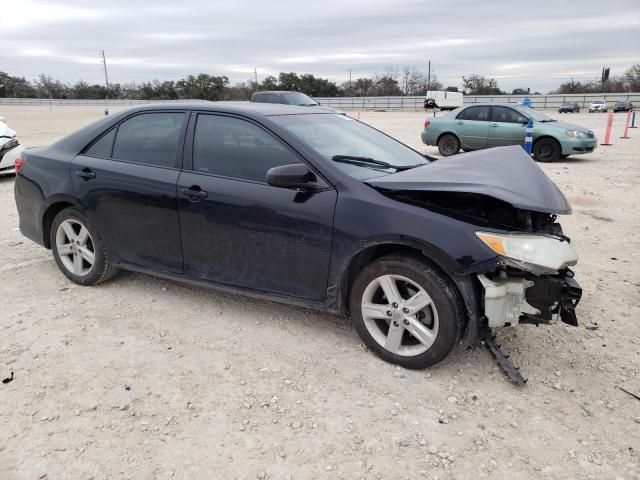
519 297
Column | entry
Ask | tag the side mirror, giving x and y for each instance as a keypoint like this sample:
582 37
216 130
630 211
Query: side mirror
295 175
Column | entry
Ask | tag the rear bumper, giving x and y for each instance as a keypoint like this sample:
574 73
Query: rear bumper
511 299
429 137
29 203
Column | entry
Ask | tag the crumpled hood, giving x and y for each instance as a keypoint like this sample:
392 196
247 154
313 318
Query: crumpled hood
504 173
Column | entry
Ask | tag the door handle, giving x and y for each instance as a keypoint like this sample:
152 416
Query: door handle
459 123
495 125
85 173
193 193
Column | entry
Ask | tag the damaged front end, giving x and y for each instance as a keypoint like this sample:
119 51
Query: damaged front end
531 281
511 206
516 297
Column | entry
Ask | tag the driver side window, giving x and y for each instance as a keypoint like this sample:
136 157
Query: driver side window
506 115
231 147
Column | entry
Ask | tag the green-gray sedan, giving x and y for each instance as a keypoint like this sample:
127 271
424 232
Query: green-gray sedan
487 125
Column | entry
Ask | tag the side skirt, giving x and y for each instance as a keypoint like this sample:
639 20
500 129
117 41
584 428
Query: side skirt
222 287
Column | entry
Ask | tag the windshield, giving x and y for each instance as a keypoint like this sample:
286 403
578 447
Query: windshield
300 99
339 136
536 115
599 102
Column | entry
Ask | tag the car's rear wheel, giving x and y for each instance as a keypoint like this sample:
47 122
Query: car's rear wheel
448 144
546 150
78 250
405 311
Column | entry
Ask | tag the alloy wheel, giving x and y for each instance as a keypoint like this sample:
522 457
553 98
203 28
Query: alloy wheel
75 247
400 315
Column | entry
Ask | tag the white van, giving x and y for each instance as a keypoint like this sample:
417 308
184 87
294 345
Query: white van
442 100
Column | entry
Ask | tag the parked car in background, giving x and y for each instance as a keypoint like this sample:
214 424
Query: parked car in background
494 124
598 106
569 107
623 107
285 97
307 207
10 148
443 100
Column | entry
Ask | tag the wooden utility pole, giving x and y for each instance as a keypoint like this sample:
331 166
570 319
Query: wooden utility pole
106 82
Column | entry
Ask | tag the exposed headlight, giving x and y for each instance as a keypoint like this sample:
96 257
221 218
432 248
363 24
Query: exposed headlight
576 134
534 253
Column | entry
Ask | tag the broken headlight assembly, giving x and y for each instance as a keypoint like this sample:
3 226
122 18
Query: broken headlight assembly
538 254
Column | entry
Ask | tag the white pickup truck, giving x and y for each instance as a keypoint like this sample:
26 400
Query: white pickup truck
443 100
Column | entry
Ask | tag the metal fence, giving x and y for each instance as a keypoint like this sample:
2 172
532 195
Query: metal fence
416 103
368 103
66 102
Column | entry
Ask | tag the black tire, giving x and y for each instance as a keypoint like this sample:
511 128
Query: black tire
547 150
102 268
449 310
448 144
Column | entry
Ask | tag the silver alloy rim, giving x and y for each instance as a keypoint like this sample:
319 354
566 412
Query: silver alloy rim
75 247
400 315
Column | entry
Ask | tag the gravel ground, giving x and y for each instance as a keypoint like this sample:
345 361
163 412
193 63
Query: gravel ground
144 378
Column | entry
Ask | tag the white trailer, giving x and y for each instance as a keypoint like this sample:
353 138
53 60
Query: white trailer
442 100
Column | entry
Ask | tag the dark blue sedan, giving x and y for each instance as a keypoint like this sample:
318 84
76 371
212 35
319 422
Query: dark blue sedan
304 206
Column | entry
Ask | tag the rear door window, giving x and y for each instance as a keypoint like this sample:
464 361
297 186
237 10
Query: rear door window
103 146
479 114
149 138
236 148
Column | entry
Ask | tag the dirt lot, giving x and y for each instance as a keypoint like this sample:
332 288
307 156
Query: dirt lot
143 378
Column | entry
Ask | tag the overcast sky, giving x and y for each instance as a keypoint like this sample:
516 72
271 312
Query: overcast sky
536 44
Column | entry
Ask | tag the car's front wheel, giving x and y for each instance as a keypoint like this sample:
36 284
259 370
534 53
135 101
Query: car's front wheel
77 249
405 311
448 145
546 150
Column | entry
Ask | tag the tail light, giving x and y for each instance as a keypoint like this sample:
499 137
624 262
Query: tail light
426 123
19 163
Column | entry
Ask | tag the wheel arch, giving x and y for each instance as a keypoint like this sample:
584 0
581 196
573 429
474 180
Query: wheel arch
465 287
546 136
376 249
50 211
448 132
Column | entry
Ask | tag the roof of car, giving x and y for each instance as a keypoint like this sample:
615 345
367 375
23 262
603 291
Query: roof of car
246 107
